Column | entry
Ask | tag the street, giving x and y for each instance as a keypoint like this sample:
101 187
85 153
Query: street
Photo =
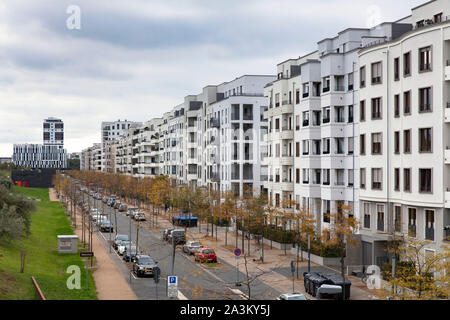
195 281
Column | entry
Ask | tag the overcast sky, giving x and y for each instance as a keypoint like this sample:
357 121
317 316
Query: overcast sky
135 59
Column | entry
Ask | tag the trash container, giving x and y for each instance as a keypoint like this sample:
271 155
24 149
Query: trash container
336 279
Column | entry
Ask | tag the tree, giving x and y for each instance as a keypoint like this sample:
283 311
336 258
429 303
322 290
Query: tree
340 233
305 225
420 274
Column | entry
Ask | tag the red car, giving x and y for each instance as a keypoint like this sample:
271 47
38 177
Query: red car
206 255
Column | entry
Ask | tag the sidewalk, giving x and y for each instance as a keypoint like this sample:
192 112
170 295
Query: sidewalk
109 281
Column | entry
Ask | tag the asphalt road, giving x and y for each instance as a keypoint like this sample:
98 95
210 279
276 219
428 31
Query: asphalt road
195 281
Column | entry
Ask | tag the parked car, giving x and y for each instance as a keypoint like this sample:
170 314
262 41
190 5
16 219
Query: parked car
111 202
206 255
191 247
166 234
106 226
131 210
100 219
116 205
123 244
292 296
178 235
122 207
144 265
139 216
127 255
119 238
105 199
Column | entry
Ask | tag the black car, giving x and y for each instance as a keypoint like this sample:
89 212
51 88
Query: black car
127 255
144 265
118 239
106 226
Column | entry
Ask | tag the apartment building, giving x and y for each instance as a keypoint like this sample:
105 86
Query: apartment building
111 131
212 139
405 134
50 154
53 132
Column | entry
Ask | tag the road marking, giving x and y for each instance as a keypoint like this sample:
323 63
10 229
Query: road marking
181 296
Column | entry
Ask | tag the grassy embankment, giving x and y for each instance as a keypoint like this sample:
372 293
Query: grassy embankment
42 258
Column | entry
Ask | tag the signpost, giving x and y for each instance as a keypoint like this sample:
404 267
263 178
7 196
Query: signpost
237 253
87 254
172 286
292 272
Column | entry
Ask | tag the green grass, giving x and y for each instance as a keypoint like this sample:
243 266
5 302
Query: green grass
42 260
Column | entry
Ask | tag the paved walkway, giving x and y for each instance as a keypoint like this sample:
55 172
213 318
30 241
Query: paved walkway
109 281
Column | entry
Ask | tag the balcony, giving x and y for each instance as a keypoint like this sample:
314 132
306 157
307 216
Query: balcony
305 95
429 234
447 70
325 120
325 89
305 123
339 88
447 198
447 113
215 123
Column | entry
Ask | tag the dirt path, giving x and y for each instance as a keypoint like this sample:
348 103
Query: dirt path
108 280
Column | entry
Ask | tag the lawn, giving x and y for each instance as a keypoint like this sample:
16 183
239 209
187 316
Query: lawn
42 258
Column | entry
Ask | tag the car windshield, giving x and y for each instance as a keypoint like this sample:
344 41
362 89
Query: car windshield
146 261
122 237
196 244
125 242
208 251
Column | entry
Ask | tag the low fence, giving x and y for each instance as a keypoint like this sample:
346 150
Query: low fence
38 290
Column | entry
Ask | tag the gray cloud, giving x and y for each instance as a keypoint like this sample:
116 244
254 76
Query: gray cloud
136 59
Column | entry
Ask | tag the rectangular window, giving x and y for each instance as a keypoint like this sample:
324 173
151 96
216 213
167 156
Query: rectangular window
397 179
407 102
376 108
350 145
362 178
411 222
297 175
397 105
425 99
398 218
376 178
362 144
362 110
362 77
277 100
350 114
366 208
297 149
407 141
407 64
425 140
376 143
425 181
396 69
429 225
297 123
397 142
407 180
380 217
425 59
376 72
350 177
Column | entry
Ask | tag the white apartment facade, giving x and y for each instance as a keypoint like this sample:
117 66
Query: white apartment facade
405 159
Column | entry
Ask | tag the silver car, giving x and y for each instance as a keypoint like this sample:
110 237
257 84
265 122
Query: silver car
191 247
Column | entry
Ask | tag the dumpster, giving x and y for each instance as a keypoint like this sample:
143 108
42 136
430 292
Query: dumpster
336 279
313 281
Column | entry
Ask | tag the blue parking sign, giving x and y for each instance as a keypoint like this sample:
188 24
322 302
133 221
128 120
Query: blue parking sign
172 280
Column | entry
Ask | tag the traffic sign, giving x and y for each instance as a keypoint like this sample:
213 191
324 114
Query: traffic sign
172 281
237 252
86 254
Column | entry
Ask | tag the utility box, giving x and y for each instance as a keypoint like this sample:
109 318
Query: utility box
68 244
